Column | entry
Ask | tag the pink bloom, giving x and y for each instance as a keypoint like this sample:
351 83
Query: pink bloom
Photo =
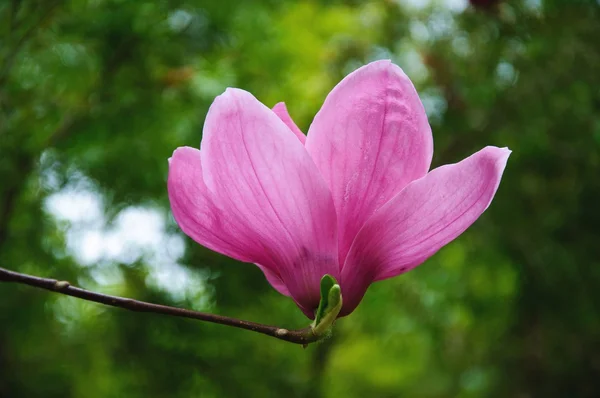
353 199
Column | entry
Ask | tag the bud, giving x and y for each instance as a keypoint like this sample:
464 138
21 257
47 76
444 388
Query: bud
329 307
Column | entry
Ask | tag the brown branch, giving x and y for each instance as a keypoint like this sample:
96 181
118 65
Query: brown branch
301 336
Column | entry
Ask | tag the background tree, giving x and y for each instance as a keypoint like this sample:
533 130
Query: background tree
95 96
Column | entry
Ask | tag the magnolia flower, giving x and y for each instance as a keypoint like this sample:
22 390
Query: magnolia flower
353 199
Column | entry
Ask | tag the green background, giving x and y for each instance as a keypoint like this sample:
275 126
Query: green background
96 94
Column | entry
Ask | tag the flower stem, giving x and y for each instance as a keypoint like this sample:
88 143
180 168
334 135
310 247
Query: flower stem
300 336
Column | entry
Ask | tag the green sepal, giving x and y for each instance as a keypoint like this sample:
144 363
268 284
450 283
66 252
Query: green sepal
327 282
329 306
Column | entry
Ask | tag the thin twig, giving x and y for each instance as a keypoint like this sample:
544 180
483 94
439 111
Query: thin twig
301 336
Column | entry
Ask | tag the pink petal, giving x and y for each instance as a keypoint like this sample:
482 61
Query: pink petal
264 180
194 209
198 217
369 140
278 285
416 223
275 280
281 110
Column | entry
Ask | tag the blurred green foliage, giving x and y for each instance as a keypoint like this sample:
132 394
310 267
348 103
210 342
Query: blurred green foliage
96 94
